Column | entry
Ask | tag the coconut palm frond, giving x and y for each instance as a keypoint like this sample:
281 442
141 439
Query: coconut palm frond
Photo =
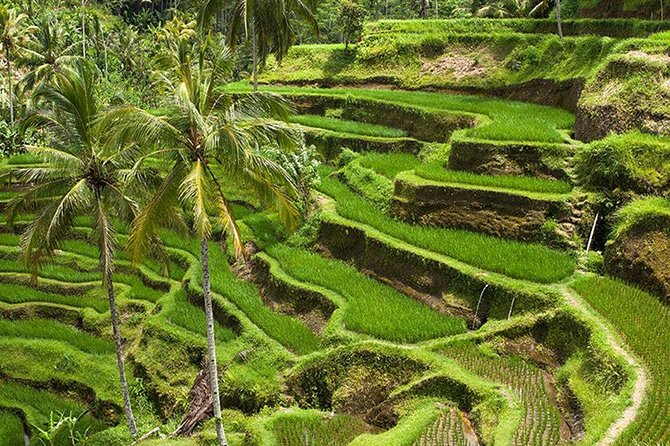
159 210
54 223
195 192
128 124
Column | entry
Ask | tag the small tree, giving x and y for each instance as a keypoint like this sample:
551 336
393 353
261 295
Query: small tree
352 16
78 176
302 166
14 36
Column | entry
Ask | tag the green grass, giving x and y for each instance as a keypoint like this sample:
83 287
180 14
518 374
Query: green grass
297 427
46 329
11 429
346 126
389 164
372 307
643 211
437 172
633 161
541 420
189 317
47 360
81 270
19 294
509 120
517 260
52 271
368 183
642 320
39 405
288 331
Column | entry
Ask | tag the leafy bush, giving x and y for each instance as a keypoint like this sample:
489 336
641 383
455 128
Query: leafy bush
651 211
635 162
302 167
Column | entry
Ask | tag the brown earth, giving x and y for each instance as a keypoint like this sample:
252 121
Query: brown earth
407 270
456 66
642 256
496 213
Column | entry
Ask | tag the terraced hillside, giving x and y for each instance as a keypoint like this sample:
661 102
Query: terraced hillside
435 298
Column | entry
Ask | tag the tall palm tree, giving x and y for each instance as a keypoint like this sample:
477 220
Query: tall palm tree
14 35
513 8
203 129
79 177
267 22
50 45
559 21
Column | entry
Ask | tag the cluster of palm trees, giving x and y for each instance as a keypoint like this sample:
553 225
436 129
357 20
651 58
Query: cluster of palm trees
98 162
33 45
268 23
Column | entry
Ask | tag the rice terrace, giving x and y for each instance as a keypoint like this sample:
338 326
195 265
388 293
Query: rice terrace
335 222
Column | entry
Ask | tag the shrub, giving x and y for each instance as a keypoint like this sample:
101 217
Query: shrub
633 162
651 211
352 15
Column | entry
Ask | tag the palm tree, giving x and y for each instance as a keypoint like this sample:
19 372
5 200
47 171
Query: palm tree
49 46
513 8
267 21
78 177
204 129
558 18
13 39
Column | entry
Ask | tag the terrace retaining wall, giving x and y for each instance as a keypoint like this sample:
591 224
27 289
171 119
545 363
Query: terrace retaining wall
418 123
497 213
405 270
540 160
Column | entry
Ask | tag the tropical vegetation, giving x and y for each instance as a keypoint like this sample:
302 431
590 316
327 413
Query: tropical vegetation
333 222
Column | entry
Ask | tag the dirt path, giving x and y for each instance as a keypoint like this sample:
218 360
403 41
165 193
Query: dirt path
639 387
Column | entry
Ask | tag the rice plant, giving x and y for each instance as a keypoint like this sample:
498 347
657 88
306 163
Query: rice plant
184 314
437 172
315 429
389 164
289 331
642 320
540 420
508 120
11 293
450 428
532 262
346 126
372 307
46 329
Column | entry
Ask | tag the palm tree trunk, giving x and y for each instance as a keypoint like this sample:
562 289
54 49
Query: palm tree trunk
10 88
119 355
254 49
558 18
209 315
83 28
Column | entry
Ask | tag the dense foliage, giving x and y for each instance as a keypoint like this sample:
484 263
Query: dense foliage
357 265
